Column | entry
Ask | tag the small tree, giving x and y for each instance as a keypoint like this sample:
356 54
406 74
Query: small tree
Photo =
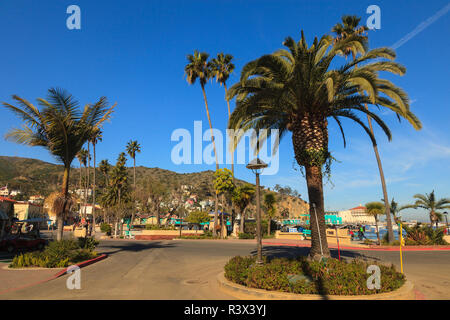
375 209
198 217
269 202
242 196
224 185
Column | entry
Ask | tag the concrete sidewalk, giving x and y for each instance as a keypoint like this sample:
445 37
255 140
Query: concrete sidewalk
15 279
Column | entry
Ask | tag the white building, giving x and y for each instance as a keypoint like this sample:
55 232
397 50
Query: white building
357 215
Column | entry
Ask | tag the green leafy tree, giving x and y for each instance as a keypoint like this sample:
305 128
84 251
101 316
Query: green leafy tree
429 202
300 88
60 127
242 197
198 217
270 201
395 209
223 185
375 209
199 68
221 68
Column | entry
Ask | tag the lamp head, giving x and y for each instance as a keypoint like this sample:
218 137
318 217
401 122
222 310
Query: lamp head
256 165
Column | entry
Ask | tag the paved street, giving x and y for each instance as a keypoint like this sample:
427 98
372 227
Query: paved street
181 269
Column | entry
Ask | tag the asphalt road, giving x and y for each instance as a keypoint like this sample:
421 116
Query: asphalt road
188 269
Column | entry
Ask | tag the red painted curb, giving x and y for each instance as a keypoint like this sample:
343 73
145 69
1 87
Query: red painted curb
366 249
81 265
58 274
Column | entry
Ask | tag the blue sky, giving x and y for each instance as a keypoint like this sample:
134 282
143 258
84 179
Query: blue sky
134 52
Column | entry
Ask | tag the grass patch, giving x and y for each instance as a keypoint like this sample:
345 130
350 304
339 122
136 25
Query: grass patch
302 276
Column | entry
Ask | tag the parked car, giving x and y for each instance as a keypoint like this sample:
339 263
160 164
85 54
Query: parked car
17 240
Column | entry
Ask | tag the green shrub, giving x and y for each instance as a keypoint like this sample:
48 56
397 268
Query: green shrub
87 243
246 236
156 227
332 277
58 254
106 228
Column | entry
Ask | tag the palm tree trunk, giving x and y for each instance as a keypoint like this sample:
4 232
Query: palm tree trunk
93 195
268 226
134 189
229 115
319 244
241 228
216 202
65 193
378 233
383 182
383 186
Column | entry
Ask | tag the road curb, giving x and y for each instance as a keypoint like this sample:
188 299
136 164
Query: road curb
406 292
58 274
410 248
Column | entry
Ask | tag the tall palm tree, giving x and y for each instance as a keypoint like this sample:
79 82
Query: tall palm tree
269 202
95 137
132 148
241 198
82 158
104 168
348 27
199 68
429 202
222 68
297 90
60 127
375 209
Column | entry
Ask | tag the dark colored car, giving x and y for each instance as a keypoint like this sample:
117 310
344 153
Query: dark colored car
22 242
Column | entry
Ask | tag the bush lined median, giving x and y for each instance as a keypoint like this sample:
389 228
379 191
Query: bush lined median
302 276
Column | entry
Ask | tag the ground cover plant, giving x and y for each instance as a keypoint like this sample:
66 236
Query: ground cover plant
303 276
58 254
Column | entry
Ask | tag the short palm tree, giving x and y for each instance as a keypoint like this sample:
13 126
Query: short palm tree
222 67
242 196
395 209
429 202
61 128
269 202
375 209
199 68
297 90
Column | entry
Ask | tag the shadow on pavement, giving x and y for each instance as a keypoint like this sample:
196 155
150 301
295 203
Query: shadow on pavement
131 247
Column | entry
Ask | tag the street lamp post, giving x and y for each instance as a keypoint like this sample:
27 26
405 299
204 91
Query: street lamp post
257 165
446 221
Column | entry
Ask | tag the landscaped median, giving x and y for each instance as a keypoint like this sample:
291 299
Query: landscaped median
301 279
58 256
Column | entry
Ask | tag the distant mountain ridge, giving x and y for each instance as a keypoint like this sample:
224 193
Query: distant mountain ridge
33 176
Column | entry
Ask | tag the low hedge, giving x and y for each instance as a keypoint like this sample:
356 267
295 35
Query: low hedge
58 254
302 276
156 227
